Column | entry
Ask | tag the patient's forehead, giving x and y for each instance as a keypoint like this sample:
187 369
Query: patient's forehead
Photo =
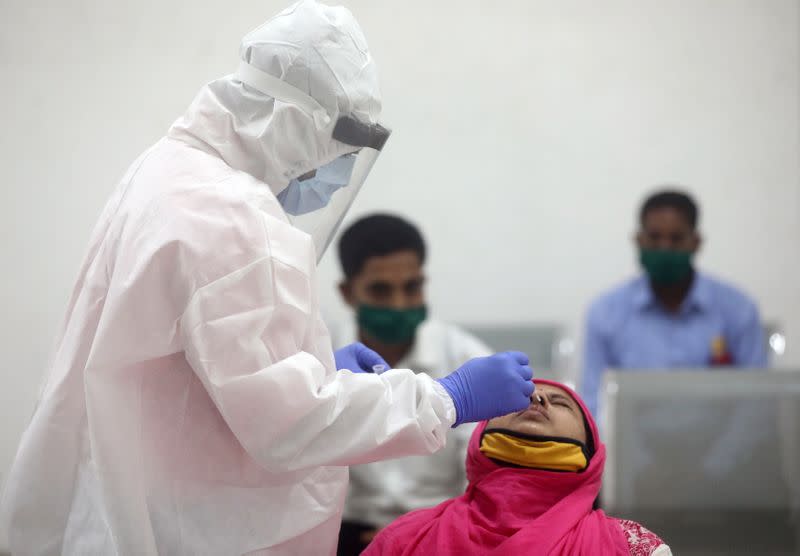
556 390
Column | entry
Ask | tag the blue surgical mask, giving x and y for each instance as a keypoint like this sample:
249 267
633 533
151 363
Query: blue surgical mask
302 197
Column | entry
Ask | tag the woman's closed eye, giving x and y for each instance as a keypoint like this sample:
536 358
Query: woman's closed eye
558 400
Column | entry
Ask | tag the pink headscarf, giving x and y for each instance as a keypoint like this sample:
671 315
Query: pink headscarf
511 511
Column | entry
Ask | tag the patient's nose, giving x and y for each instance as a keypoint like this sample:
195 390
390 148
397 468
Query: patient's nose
539 398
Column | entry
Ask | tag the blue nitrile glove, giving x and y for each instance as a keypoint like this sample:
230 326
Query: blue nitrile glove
488 387
358 358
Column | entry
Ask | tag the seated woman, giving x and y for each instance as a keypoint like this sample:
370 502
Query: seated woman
533 479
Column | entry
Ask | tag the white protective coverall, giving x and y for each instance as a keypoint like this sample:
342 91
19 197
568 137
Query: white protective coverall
193 405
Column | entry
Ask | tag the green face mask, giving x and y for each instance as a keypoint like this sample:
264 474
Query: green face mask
666 267
391 326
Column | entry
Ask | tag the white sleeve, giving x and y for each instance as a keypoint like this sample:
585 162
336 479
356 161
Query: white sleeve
255 340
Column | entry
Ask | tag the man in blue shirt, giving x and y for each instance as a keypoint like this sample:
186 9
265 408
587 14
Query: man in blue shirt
673 316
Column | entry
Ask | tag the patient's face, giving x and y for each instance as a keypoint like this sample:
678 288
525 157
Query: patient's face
557 415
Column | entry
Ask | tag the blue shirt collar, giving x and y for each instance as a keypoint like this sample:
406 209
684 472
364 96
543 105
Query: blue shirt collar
699 297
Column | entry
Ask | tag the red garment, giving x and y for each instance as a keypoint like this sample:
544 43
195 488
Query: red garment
511 511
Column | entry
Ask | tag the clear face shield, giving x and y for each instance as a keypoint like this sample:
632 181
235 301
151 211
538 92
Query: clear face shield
318 201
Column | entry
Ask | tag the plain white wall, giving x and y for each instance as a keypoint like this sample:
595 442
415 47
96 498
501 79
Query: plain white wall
525 134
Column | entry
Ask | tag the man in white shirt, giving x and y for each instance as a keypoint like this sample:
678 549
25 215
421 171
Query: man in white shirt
382 258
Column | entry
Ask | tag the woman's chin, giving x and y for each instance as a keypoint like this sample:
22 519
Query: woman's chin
534 427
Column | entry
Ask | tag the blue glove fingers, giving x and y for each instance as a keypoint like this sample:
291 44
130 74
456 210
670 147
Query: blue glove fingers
519 357
357 358
526 373
522 399
527 389
488 387
367 358
519 400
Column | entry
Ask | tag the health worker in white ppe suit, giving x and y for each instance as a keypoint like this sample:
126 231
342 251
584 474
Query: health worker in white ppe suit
194 404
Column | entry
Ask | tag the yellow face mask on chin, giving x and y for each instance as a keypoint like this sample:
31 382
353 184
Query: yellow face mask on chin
534 452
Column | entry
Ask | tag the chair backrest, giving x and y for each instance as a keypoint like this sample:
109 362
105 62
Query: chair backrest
721 448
